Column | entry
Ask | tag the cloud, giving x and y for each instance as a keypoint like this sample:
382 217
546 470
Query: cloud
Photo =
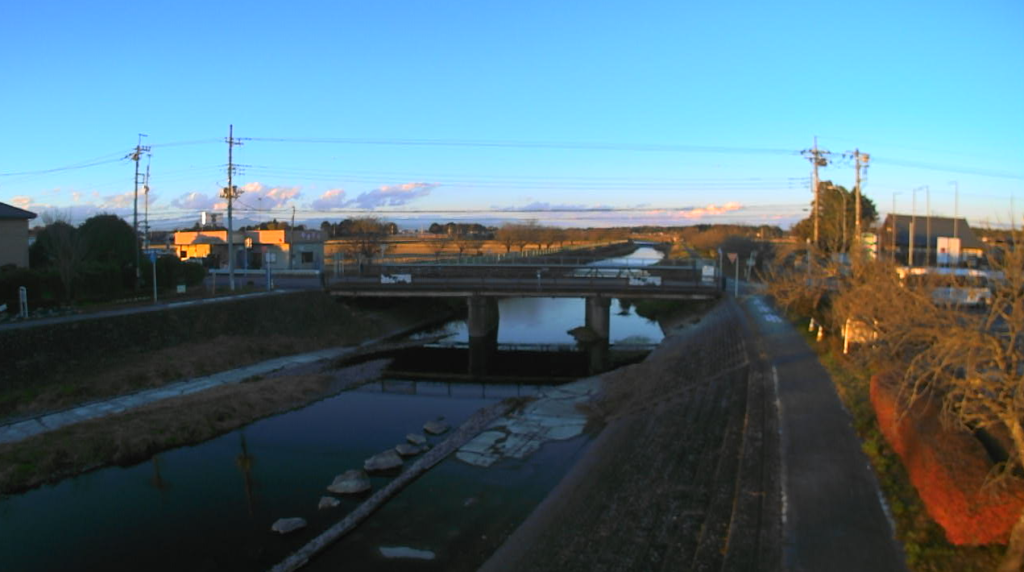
196 201
22 202
542 206
258 195
331 199
699 212
121 201
391 195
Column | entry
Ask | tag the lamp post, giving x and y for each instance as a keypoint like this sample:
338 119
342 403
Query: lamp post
892 226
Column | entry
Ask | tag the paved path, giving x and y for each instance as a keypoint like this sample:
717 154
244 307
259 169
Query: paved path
833 514
23 429
160 306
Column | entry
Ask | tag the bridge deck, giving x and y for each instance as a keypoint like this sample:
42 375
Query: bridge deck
524 287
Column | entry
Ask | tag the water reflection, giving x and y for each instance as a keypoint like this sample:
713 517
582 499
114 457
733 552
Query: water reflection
245 461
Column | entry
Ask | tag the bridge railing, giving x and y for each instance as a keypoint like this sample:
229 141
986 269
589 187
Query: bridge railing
538 282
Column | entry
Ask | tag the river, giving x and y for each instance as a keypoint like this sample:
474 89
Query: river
210 506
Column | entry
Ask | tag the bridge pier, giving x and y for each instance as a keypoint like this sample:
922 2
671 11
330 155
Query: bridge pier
598 320
598 316
482 324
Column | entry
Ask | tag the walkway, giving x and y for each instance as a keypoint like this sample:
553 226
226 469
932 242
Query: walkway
159 306
833 514
25 428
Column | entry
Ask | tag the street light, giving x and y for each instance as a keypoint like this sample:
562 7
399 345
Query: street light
892 226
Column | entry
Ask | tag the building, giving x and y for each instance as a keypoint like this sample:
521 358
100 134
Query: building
931 244
299 249
14 235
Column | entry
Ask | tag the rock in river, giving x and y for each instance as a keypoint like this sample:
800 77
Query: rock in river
350 482
385 461
286 525
327 502
408 450
416 439
435 427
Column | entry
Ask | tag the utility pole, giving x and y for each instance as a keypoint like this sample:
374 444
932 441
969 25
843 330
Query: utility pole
956 208
231 193
860 160
928 226
145 190
817 158
892 227
291 239
134 156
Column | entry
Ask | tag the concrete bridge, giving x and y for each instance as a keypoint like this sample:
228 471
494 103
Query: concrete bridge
483 283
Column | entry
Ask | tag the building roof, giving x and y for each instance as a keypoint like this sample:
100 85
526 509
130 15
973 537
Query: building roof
940 226
9 212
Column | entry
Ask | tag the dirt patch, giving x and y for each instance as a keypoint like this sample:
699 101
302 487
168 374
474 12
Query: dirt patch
134 436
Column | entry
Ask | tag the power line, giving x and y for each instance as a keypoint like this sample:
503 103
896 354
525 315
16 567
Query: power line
646 147
92 163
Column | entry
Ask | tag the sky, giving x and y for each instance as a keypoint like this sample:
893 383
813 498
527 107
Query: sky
573 113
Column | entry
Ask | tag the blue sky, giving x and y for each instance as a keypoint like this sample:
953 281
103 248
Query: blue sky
665 112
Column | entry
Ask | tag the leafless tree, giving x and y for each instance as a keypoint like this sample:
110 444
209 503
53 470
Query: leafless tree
65 247
365 237
439 245
506 236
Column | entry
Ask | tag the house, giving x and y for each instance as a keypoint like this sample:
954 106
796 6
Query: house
14 235
931 240
298 249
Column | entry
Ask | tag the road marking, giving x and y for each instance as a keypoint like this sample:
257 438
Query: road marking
782 465
766 313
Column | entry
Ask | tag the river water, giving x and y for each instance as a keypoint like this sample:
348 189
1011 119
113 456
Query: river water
210 506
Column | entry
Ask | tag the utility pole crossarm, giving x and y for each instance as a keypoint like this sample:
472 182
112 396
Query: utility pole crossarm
818 158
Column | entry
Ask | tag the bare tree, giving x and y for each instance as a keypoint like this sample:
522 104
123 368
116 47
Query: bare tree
972 361
365 235
507 236
65 248
439 245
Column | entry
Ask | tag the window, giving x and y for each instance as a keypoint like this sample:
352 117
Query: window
307 257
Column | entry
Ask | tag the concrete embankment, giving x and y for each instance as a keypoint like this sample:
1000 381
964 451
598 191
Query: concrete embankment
683 476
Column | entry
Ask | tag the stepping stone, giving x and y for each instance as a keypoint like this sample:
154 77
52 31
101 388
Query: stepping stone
435 427
405 552
416 439
286 525
327 502
385 461
350 482
408 450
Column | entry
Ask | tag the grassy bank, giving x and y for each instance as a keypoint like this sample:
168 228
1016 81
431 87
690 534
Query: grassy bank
923 540
56 366
136 435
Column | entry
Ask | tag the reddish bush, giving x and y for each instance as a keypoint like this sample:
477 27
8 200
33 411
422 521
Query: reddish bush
948 468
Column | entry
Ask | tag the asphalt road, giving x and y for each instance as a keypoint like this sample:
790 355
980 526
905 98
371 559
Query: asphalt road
833 513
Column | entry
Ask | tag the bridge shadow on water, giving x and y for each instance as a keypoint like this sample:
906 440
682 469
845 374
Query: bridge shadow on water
532 364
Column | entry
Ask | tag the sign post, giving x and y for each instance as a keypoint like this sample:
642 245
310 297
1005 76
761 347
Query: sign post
152 262
736 283
22 301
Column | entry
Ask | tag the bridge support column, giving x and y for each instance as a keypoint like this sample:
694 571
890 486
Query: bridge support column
598 316
482 324
598 320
